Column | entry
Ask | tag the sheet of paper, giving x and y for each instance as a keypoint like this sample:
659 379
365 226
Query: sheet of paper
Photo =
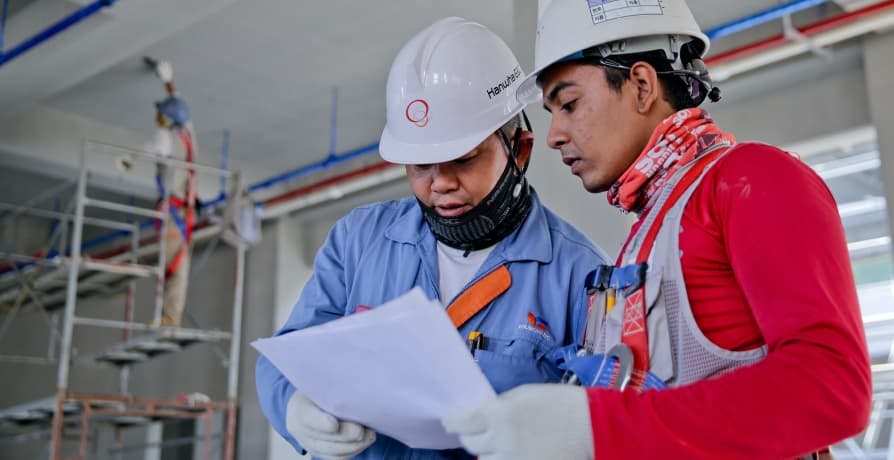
397 369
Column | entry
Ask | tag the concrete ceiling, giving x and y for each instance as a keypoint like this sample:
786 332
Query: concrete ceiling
265 69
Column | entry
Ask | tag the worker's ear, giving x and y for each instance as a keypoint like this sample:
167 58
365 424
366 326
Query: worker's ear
646 85
525 147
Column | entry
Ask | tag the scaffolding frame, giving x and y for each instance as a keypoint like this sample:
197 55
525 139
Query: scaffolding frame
873 442
71 263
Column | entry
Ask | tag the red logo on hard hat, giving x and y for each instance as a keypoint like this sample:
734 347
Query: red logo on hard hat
417 113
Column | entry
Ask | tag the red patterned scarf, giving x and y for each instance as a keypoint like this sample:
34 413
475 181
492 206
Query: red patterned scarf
677 141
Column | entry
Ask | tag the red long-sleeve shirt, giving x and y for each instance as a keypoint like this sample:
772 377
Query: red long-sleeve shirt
765 261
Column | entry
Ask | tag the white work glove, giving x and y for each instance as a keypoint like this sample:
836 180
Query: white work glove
528 422
164 71
322 435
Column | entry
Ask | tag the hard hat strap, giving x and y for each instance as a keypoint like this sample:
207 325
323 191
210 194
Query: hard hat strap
694 72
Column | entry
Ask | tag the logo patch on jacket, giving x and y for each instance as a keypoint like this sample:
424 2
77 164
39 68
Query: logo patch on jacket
537 325
538 322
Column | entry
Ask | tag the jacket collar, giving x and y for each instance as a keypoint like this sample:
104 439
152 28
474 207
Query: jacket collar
531 241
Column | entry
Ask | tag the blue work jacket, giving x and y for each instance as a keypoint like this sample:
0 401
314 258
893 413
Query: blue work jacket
381 251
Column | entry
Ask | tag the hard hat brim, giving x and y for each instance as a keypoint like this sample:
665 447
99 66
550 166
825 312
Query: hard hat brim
395 151
529 91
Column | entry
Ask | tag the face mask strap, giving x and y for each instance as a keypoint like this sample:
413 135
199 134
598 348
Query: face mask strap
515 145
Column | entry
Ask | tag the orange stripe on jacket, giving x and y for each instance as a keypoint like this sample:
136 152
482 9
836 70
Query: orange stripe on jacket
479 295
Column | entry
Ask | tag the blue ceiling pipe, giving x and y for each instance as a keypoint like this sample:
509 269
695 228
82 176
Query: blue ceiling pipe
329 162
54 29
761 17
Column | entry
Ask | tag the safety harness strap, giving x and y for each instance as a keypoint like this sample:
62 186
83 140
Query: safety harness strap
185 224
634 332
190 214
175 262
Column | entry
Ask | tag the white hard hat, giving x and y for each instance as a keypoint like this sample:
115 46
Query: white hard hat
450 87
567 27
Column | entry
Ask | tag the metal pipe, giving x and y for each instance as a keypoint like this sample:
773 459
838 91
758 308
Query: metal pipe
871 434
115 225
761 17
310 196
123 208
97 265
54 29
129 307
879 318
854 449
122 268
332 160
113 324
162 250
725 65
85 430
727 70
292 194
71 298
156 159
235 345
879 368
235 348
131 299
206 446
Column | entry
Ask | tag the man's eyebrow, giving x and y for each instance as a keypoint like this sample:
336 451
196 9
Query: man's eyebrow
557 89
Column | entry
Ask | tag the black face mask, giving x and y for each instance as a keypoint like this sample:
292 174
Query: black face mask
502 211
